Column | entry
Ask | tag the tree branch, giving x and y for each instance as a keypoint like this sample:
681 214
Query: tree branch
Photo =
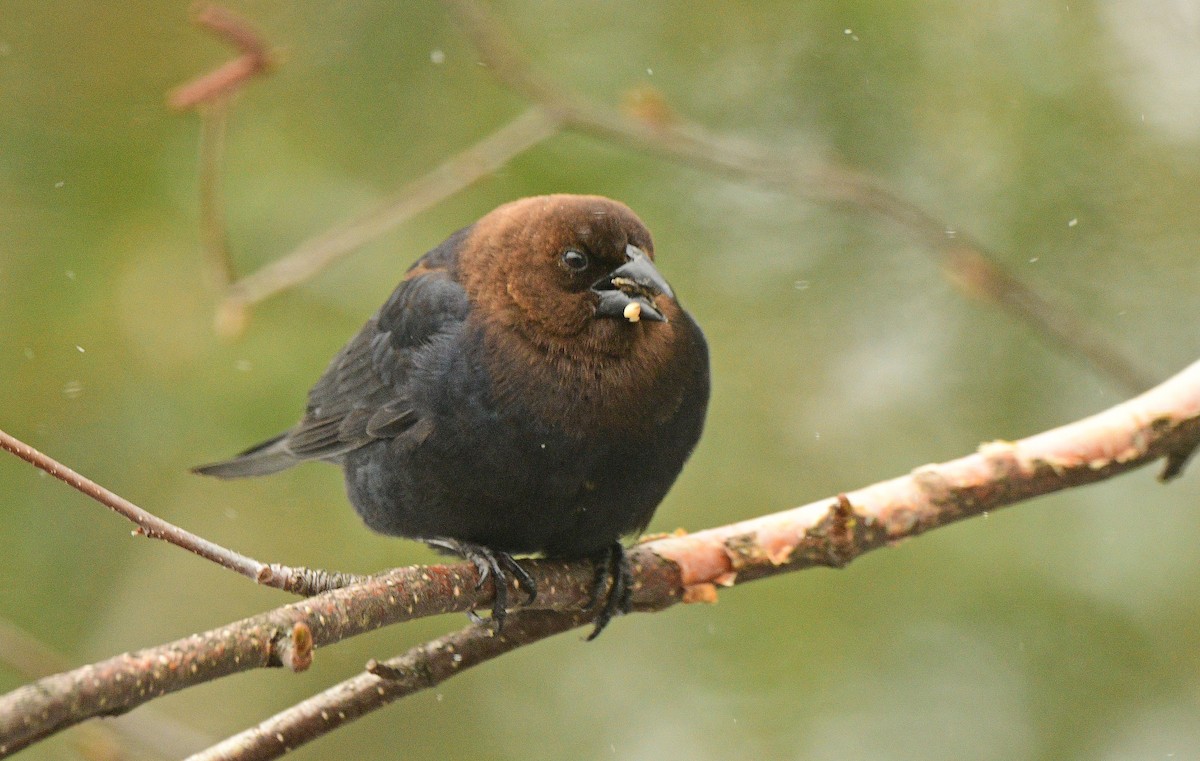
118 684
421 668
1161 423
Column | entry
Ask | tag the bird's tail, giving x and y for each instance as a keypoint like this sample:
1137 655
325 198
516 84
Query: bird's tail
271 456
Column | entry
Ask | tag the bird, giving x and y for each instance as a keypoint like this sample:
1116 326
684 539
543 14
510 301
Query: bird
531 387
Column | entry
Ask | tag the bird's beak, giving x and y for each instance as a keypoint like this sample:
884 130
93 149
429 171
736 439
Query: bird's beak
629 290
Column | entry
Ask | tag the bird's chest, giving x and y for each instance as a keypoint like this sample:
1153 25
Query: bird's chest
502 449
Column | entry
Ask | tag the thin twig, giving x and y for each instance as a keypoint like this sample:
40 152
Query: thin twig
1161 423
214 121
212 94
972 265
148 524
228 78
233 29
297 580
456 173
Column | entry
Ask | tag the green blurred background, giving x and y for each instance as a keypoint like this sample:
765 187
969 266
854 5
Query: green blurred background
1064 136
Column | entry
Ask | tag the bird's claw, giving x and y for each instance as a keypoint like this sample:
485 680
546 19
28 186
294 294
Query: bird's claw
497 565
611 563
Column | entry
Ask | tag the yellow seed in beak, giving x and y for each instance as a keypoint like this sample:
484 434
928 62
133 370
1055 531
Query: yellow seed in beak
633 311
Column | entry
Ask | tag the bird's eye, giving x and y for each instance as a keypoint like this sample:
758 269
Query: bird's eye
576 261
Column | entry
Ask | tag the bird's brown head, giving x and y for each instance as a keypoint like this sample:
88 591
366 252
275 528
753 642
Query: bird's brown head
566 290
567 268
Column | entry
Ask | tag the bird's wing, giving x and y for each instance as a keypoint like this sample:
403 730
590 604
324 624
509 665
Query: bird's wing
363 395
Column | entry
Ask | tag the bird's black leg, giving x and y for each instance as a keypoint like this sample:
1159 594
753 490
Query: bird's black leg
498 565
611 564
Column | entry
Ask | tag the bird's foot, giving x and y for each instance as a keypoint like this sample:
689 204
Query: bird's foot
611 563
499 566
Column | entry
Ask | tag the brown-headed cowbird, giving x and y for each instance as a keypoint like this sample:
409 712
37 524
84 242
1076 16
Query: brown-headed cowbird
532 386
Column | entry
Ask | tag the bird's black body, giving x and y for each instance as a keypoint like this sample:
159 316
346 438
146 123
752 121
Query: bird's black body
476 411
542 490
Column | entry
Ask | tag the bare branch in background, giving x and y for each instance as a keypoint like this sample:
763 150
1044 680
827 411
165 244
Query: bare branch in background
214 121
649 125
971 265
212 95
1163 423
225 80
456 173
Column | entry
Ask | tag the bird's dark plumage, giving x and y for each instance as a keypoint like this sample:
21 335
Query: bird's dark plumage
531 386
